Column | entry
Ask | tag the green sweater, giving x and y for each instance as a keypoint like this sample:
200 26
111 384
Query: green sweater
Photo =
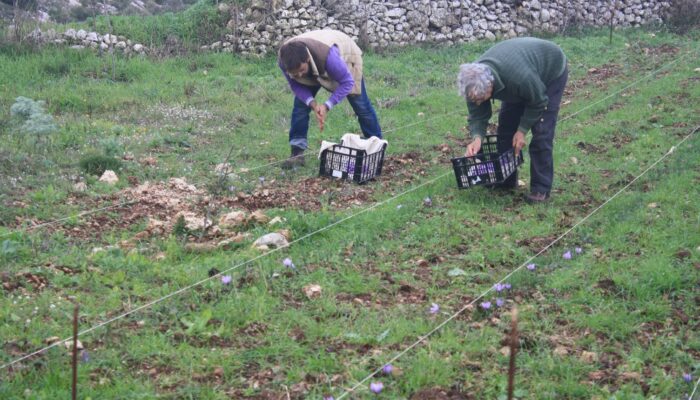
522 68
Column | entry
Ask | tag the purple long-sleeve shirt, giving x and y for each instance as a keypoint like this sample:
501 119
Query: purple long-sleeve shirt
337 70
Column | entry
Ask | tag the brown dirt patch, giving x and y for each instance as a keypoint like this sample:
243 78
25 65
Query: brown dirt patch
437 393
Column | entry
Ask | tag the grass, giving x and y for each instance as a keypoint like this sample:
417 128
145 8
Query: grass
618 320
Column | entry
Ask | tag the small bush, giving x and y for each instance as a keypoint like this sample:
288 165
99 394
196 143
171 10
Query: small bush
97 164
33 117
683 16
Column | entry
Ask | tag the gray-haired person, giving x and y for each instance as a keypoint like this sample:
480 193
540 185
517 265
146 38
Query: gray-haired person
528 75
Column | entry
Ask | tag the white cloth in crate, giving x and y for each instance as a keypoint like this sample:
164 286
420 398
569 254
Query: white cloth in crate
371 145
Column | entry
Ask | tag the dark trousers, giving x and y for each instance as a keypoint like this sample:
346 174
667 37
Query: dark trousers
542 142
360 103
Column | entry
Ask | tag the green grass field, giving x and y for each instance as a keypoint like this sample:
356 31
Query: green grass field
618 320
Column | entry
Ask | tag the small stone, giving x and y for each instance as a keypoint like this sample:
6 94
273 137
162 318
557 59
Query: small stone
312 291
109 177
80 187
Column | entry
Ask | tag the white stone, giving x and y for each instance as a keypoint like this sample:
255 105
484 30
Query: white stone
273 239
109 177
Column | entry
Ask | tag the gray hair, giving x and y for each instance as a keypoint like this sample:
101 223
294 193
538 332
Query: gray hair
474 79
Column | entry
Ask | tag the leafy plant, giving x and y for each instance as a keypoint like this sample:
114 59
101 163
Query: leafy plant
97 164
33 117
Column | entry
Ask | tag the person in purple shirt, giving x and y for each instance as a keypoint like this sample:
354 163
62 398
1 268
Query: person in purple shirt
329 59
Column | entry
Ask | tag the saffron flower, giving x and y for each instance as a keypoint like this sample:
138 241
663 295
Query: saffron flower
567 255
226 279
376 387
486 305
262 180
688 377
288 263
499 287
531 267
428 202
434 308
578 250
387 369
85 356
506 286
328 398
500 302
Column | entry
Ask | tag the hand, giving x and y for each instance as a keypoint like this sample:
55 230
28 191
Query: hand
473 147
518 141
321 111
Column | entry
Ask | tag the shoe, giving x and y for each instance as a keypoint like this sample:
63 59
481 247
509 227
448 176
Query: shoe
295 160
537 197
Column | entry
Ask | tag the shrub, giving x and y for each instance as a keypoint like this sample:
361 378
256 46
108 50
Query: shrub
683 16
97 164
33 117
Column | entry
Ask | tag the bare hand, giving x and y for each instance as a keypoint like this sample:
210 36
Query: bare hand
321 111
473 147
518 141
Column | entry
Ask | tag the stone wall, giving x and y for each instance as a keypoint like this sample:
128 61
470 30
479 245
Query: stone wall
381 23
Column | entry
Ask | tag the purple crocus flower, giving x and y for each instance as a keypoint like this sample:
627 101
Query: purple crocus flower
486 305
226 279
434 308
578 250
688 377
428 202
507 286
567 255
328 398
498 287
262 180
85 356
376 387
288 263
500 302
531 267
387 369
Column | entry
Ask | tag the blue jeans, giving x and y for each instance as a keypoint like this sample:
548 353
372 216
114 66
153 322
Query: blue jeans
360 103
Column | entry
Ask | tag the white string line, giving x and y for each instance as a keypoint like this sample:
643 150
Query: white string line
246 170
294 241
695 389
387 131
453 316
193 285
78 215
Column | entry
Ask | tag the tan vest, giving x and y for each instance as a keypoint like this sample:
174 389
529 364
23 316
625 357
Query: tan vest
318 45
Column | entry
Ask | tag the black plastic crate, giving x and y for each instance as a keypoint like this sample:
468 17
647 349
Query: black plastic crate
486 167
352 164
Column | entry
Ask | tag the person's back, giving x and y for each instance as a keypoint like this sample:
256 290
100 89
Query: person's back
519 58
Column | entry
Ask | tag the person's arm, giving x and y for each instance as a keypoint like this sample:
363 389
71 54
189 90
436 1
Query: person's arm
479 118
302 92
338 71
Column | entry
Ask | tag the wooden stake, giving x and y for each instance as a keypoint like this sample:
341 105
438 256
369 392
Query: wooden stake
513 351
75 352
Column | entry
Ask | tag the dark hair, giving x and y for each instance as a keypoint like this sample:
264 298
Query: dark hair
292 55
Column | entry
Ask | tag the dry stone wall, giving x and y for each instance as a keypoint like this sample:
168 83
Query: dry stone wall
380 23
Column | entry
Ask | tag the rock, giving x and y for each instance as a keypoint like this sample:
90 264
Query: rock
535 5
544 16
232 219
109 177
138 48
588 357
489 36
200 247
80 187
234 239
276 220
258 217
193 221
274 239
312 291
